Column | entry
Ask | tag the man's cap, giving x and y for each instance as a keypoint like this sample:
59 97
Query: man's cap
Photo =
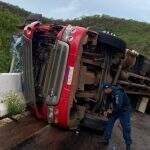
106 85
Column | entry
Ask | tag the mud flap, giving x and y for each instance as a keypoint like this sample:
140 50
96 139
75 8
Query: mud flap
93 122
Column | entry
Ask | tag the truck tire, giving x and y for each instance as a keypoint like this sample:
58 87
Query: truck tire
113 42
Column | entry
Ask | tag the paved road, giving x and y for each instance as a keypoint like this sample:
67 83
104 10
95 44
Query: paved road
32 134
13 133
57 139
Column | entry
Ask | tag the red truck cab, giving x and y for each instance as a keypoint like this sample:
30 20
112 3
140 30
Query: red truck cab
57 90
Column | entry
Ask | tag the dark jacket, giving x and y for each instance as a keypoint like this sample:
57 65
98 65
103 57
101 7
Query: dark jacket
119 100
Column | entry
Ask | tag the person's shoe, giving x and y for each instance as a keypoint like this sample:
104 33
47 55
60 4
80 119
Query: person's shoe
128 147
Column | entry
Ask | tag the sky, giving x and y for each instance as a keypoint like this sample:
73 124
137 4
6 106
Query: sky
68 9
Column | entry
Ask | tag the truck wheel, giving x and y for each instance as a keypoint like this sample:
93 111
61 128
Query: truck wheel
113 42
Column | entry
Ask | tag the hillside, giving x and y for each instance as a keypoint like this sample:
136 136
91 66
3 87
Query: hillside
136 34
10 16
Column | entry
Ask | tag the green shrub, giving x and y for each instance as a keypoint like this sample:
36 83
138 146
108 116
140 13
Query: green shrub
15 103
135 34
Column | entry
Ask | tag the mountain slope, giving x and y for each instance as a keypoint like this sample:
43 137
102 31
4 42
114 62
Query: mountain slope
10 16
136 34
8 22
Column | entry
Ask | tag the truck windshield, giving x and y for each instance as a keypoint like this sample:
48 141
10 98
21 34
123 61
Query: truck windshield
16 51
59 60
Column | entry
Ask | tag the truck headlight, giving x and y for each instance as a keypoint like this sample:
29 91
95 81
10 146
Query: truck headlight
67 33
50 115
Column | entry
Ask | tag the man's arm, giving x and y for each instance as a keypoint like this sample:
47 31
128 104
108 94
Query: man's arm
108 109
108 102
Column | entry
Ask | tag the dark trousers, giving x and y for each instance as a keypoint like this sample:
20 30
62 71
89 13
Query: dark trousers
124 118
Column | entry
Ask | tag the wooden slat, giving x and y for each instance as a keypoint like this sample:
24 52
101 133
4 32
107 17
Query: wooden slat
138 93
142 105
91 62
86 94
134 84
82 78
90 78
139 76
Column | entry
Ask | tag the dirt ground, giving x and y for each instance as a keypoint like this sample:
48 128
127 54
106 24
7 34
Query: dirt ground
52 138
12 133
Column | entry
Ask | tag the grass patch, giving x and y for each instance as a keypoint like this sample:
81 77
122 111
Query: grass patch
15 103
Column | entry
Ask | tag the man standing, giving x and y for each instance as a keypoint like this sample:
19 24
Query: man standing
121 110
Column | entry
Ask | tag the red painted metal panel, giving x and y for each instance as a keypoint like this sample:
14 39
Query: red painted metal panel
62 109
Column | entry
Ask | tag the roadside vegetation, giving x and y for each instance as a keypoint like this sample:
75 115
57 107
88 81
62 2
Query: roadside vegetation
8 22
10 17
15 103
136 34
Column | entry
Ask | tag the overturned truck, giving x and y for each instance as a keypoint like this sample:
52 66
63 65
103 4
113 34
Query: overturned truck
64 67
